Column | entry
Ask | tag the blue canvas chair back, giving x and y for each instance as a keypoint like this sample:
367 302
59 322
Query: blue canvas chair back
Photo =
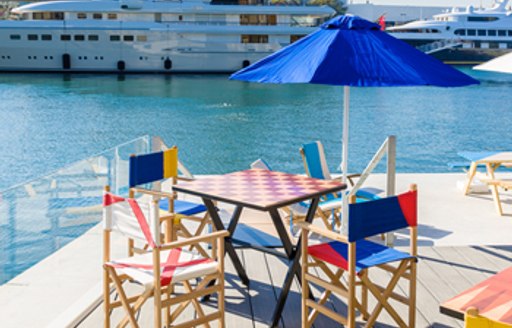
314 160
153 167
383 215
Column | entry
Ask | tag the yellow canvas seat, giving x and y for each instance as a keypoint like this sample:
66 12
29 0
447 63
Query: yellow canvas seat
472 319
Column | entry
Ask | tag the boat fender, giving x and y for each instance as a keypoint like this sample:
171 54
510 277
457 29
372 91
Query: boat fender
66 61
167 64
245 63
121 65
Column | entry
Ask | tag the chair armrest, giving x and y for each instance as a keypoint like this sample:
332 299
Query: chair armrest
323 232
154 192
195 240
183 178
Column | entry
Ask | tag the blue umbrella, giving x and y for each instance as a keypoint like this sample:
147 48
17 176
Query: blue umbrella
351 51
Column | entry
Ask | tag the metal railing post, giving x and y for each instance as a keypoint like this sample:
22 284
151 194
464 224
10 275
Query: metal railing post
391 179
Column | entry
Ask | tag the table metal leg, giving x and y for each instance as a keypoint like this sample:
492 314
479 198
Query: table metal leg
293 254
228 244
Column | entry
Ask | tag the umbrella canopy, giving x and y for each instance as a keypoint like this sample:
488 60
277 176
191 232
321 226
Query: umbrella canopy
502 64
350 51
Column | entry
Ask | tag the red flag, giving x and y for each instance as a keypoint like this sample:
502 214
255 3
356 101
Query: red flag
382 22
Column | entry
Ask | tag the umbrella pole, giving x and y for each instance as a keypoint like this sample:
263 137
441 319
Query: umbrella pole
344 160
344 141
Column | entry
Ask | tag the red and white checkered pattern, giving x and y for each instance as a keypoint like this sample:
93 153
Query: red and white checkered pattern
260 187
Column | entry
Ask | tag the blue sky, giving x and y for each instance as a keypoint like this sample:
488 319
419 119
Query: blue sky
444 3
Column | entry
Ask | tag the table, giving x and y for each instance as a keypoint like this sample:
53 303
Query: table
492 298
492 160
265 191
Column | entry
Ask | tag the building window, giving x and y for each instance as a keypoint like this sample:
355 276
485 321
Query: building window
81 16
112 16
142 38
15 37
79 37
115 38
65 37
254 38
93 37
46 37
128 38
97 16
32 37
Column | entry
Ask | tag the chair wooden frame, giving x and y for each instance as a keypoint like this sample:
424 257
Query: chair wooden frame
406 269
163 295
173 221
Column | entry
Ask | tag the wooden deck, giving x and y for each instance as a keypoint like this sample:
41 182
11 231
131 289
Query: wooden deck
442 273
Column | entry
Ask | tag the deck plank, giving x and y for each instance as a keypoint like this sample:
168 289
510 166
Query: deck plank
443 272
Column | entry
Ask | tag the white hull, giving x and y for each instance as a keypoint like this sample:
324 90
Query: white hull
144 44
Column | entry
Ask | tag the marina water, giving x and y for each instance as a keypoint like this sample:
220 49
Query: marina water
50 120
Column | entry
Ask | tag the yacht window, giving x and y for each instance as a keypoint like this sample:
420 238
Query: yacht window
509 45
494 45
460 32
97 16
471 32
180 18
79 37
65 37
128 38
46 37
248 19
491 32
477 44
112 16
296 37
15 37
482 19
481 32
32 37
81 16
115 38
255 38
93 37
142 38
158 17
509 32
502 33
37 15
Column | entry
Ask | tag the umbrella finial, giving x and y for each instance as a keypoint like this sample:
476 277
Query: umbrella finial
349 22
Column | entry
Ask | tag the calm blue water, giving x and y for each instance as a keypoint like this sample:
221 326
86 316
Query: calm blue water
48 121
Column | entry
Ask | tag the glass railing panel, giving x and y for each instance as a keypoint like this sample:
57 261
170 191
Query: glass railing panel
42 215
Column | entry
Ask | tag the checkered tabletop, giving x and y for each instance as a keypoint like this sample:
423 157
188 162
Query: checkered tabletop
259 189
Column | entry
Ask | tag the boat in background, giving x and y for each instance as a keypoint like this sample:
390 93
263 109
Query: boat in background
461 37
150 36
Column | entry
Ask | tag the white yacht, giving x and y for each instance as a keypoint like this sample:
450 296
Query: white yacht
150 36
461 37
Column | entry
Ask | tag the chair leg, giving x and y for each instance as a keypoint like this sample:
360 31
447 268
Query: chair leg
412 295
106 298
382 297
122 297
364 300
